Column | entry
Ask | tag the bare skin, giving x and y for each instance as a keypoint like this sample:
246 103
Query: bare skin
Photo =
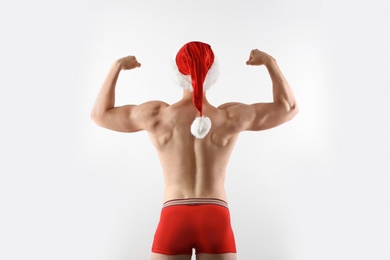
194 168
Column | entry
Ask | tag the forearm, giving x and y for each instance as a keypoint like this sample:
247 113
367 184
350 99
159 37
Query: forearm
106 98
282 92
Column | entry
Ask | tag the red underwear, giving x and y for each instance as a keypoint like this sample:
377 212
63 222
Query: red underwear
203 224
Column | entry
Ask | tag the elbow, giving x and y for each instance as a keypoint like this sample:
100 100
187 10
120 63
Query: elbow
288 110
93 116
293 110
96 117
290 107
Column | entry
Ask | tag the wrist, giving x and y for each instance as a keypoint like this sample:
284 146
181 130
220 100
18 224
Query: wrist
117 64
269 61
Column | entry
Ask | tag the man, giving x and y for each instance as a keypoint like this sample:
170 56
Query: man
194 153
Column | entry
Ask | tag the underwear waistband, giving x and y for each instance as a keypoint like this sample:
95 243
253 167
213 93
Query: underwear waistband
195 202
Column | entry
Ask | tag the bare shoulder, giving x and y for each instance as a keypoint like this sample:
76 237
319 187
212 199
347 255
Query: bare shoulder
147 114
237 116
154 104
150 109
227 105
235 109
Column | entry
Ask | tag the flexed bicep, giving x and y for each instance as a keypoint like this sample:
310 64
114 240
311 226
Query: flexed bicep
132 118
119 119
268 115
261 116
255 117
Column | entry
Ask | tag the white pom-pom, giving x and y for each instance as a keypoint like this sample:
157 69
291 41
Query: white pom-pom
201 126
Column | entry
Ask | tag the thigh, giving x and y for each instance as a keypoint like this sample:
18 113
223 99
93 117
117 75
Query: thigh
170 257
229 256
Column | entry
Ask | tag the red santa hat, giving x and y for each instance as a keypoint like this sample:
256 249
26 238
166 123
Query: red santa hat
197 71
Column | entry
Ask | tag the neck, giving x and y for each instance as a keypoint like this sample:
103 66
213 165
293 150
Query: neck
187 95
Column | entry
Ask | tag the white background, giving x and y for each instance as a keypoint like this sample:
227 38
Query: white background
314 188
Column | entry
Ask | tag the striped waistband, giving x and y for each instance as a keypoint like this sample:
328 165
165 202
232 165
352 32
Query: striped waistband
194 202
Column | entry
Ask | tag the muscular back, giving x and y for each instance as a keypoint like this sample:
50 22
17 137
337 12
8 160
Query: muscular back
192 167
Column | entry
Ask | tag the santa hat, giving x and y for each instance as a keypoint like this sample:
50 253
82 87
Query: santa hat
197 71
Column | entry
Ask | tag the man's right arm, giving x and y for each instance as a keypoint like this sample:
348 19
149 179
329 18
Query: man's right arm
261 116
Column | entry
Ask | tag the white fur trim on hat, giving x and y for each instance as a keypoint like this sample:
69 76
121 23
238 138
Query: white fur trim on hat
201 126
185 80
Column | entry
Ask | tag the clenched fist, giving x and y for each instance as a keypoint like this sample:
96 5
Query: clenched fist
257 57
129 62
